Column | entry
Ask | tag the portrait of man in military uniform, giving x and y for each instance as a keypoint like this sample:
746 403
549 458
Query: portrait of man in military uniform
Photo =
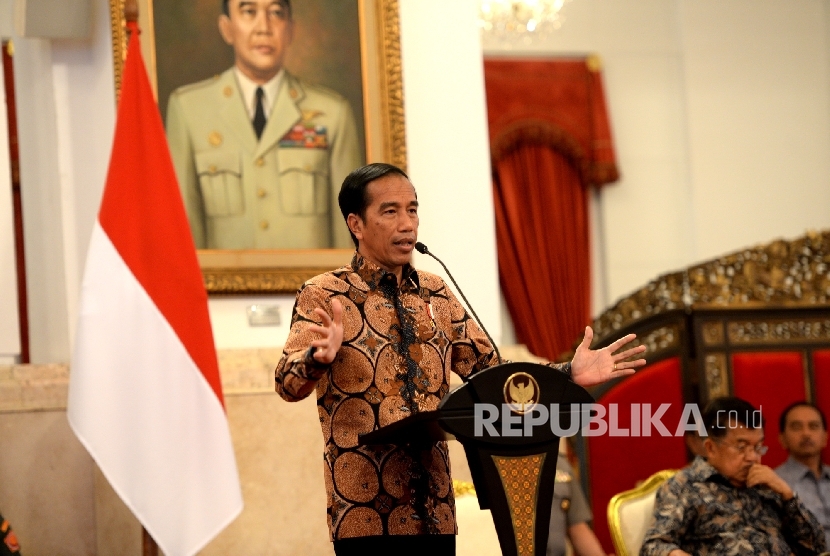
259 152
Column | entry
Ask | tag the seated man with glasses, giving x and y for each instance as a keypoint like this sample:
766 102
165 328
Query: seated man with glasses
730 503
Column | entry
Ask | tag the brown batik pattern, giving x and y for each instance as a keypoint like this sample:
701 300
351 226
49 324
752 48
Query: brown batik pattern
399 345
701 512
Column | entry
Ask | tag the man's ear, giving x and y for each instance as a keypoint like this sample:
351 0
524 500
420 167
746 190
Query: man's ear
225 29
709 446
355 224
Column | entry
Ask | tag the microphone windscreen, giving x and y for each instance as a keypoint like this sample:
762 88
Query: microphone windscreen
421 248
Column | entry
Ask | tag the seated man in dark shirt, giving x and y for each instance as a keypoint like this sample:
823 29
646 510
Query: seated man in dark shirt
730 503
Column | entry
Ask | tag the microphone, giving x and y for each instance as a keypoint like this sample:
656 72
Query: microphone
421 248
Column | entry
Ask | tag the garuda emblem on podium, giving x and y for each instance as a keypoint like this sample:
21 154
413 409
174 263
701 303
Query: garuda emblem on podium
521 392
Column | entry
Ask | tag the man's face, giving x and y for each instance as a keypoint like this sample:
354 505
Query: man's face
803 435
388 233
259 32
733 454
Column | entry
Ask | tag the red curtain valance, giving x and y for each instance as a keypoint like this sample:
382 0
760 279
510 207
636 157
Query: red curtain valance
559 103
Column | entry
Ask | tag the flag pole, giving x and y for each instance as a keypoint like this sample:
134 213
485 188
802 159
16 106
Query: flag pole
148 544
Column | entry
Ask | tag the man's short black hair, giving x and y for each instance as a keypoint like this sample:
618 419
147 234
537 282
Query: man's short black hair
227 11
782 421
721 414
353 199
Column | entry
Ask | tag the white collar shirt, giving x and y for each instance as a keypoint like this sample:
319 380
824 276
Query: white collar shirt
248 89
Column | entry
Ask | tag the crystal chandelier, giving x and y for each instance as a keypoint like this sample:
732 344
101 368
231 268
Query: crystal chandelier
521 18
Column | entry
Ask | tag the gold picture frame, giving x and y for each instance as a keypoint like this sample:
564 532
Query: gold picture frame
284 271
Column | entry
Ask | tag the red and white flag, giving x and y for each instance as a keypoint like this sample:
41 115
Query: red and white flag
145 397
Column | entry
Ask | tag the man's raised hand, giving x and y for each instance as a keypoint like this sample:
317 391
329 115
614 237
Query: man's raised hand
331 331
590 367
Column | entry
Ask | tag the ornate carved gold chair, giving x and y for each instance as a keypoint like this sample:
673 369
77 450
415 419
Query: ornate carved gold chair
631 513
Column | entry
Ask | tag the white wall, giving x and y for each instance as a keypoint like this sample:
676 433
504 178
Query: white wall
759 129
719 112
65 107
449 157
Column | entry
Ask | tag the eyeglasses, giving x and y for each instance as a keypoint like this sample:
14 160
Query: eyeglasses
744 448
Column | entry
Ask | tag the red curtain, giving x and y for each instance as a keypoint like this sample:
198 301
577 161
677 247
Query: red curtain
542 238
549 139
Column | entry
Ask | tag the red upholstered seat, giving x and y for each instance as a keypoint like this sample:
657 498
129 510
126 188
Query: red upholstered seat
770 380
821 393
617 463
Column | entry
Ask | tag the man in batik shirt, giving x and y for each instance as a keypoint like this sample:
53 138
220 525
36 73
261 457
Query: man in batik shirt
377 340
729 503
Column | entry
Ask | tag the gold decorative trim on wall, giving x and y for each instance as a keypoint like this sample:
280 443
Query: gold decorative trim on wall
520 477
266 271
783 273
779 330
119 43
250 280
661 339
717 375
661 295
713 334
394 122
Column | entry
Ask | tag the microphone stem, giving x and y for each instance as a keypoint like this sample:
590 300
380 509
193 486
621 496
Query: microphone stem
469 306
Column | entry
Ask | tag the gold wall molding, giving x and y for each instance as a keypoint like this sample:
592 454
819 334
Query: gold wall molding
392 100
119 43
257 280
661 295
783 273
717 375
779 330
713 334
661 339
789 273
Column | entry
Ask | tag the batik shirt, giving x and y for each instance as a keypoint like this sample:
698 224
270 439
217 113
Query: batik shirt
400 343
700 511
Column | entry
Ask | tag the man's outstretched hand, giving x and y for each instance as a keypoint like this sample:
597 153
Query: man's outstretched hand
590 367
331 330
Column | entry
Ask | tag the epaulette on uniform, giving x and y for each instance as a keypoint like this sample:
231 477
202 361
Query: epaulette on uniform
322 89
197 85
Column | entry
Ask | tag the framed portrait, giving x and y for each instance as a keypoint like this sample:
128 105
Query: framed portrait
351 47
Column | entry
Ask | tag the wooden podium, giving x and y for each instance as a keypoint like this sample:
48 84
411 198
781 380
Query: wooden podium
513 474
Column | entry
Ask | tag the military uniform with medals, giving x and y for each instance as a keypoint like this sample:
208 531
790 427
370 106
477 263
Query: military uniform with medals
278 192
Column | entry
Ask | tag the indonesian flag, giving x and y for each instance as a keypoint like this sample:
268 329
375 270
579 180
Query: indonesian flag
145 397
